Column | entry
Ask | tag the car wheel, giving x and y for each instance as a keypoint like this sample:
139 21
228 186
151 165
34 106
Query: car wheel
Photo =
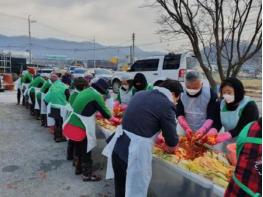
115 86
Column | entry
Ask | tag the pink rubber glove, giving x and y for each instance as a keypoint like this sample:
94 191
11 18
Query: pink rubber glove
207 125
184 124
222 137
212 131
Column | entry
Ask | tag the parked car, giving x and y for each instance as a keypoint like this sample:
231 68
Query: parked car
78 72
45 72
72 68
159 68
101 73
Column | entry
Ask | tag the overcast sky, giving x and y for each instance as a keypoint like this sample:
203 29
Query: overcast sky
110 21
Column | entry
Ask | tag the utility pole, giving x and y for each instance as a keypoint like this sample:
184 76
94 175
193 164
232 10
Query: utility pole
133 47
29 37
94 52
130 54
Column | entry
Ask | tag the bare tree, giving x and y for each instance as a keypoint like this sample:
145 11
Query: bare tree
220 25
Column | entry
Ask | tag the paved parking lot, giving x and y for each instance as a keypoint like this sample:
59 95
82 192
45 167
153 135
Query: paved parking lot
32 164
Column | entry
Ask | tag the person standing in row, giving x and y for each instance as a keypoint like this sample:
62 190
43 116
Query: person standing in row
197 110
34 88
57 103
73 152
26 78
80 125
129 150
40 98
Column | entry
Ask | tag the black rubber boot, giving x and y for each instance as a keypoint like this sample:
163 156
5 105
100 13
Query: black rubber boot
37 113
78 168
58 135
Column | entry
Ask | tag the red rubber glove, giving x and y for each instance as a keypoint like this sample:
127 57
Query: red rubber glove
222 137
169 149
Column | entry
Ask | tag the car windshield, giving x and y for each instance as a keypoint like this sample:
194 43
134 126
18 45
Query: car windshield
46 71
79 71
102 72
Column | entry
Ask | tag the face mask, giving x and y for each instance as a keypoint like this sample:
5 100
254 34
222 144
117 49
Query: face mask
229 98
192 92
139 86
125 87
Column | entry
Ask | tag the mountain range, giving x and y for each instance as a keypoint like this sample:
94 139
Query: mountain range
51 47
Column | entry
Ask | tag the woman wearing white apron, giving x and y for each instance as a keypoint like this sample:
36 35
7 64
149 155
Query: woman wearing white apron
57 103
26 80
125 91
80 126
79 84
34 88
197 110
40 97
236 109
129 150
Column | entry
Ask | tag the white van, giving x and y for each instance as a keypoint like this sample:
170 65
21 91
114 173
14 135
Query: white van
159 68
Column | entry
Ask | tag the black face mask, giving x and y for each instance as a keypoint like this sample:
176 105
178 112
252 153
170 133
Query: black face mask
139 86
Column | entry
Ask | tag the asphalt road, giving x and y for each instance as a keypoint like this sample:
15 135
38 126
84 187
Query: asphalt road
32 164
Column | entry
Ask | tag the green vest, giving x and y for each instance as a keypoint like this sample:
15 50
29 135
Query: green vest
36 83
44 89
73 97
241 140
26 78
85 97
56 94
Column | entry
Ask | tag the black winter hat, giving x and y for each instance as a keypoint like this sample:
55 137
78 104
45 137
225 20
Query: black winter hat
101 86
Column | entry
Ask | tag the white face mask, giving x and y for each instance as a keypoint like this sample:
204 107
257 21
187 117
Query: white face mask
192 92
229 98
125 87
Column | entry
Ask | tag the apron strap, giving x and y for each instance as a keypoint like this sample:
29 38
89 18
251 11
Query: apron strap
244 139
245 188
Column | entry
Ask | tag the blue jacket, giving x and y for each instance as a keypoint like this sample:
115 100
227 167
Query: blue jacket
148 113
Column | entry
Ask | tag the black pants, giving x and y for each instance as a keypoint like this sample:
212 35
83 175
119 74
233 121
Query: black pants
84 158
119 168
71 150
32 105
55 113
18 95
37 111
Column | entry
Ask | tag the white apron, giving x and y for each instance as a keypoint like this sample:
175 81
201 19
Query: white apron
195 108
37 90
64 112
230 119
43 106
139 169
125 96
25 88
110 103
28 94
90 128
